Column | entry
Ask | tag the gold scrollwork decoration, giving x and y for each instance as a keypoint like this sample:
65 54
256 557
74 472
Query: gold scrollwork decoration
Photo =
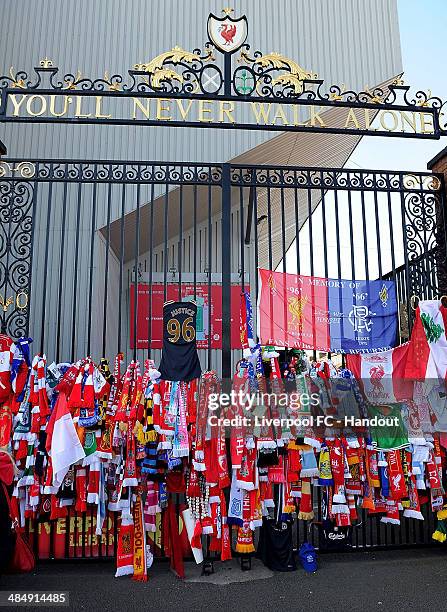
431 182
425 101
23 169
374 98
46 63
425 182
112 86
5 302
336 96
410 181
157 70
18 83
398 81
22 300
72 84
295 75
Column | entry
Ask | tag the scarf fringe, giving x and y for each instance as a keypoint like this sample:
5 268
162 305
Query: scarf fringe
25 481
339 498
93 498
245 548
392 521
306 516
104 455
89 459
309 472
313 442
340 509
242 484
266 444
125 570
413 514
250 443
130 482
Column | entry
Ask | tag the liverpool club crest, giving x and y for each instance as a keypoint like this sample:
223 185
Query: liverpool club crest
226 33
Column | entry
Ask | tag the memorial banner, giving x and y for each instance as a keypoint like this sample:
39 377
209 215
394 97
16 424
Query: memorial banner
326 314
209 313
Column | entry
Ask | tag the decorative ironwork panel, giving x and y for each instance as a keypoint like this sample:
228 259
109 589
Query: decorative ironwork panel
423 215
16 240
210 87
112 172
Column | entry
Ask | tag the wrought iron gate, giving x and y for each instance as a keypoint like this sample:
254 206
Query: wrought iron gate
88 250
87 234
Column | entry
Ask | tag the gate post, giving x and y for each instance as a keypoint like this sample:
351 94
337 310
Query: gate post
439 165
226 271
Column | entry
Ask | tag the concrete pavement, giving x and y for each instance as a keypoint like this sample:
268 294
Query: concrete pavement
381 580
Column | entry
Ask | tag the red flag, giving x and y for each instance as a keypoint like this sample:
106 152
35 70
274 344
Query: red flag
383 374
293 310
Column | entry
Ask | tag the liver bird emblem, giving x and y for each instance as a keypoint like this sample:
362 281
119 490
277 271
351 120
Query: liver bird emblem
228 33
296 307
375 375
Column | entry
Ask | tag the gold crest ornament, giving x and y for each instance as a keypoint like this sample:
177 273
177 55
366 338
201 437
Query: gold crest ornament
383 295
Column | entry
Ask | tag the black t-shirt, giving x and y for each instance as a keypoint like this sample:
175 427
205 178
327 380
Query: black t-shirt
179 359
275 547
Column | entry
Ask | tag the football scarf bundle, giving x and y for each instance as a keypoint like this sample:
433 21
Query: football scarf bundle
82 398
180 447
208 385
20 370
38 396
6 355
140 441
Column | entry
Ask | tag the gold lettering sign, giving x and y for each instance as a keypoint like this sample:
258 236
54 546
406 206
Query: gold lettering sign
240 113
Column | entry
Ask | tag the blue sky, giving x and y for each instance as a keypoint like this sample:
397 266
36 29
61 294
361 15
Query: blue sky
423 36
424 52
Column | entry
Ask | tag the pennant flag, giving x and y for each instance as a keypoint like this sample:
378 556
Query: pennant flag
383 374
66 448
309 312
